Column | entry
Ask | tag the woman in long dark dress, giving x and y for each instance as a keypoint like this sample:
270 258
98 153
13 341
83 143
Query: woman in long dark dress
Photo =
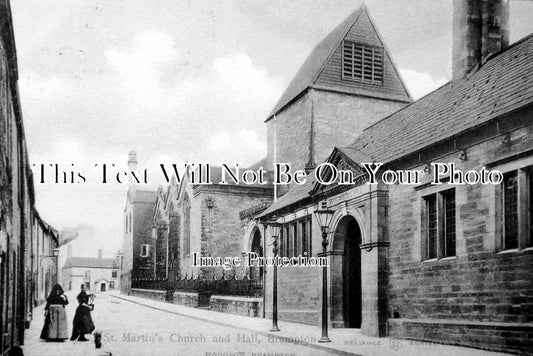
55 323
83 323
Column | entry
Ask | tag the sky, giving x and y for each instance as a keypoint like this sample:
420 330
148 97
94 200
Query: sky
180 81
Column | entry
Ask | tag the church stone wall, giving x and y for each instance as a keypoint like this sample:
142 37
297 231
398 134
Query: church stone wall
225 239
480 298
290 129
338 119
217 230
299 294
299 288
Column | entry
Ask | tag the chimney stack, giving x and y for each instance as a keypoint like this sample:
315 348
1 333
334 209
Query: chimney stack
132 160
480 28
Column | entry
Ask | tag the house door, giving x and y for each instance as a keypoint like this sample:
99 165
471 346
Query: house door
351 275
102 287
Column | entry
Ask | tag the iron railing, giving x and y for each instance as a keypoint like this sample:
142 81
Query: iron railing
248 287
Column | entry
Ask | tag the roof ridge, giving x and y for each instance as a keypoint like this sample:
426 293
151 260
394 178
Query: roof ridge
499 87
490 58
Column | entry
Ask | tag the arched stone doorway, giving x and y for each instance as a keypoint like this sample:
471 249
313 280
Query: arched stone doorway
345 257
256 272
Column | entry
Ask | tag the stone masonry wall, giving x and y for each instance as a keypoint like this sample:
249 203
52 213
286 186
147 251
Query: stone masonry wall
187 299
251 307
339 118
482 286
218 229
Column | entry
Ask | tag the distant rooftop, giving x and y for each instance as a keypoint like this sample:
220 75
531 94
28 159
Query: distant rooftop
90 262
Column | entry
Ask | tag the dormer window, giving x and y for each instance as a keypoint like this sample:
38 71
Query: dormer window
362 63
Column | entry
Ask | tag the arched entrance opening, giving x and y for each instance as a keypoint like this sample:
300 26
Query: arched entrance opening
255 271
346 297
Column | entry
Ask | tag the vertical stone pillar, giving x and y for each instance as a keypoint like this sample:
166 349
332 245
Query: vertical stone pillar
374 265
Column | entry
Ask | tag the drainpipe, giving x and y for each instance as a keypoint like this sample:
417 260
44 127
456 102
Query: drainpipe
264 272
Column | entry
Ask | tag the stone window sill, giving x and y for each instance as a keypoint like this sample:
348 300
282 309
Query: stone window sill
437 260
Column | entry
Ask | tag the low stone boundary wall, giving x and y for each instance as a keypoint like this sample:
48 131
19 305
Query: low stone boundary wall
505 337
245 306
185 298
149 294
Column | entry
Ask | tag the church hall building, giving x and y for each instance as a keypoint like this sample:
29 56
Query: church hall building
447 263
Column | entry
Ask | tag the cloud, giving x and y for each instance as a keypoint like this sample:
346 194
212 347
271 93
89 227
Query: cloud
244 147
420 83
147 99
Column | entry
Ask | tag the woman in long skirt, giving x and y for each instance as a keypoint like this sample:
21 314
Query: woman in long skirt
83 323
55 323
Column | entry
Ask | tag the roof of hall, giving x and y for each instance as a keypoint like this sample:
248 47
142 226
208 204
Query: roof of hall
90 262
503 84
294 195
310 70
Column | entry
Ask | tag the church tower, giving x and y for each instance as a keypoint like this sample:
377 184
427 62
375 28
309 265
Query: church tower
347 83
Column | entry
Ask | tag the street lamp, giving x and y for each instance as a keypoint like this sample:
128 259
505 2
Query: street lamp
324 215
55 254
274 227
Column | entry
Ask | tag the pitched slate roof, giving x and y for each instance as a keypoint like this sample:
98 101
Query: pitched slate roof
90 262
504 83
309 74
294 195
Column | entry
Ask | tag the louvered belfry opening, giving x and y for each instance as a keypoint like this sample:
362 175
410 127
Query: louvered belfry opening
362 63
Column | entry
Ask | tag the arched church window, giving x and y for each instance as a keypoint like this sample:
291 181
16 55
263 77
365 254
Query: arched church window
186 225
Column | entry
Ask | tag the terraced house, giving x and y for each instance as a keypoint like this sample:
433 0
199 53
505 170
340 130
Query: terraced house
28 265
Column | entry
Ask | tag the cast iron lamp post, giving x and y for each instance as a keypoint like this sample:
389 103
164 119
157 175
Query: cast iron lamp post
274 233
324 215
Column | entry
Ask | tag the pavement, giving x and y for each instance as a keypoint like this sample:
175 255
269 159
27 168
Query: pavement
137 326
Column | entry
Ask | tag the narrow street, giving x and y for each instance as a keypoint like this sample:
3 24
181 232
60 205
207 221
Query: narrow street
136 326
133 329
